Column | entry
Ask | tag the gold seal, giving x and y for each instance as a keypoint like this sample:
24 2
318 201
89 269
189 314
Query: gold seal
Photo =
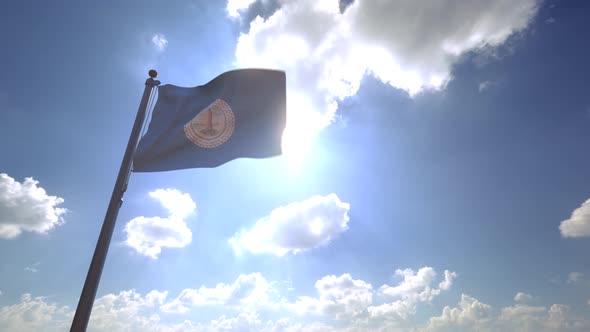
213 126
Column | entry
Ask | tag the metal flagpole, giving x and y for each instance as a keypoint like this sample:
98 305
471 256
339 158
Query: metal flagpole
86 301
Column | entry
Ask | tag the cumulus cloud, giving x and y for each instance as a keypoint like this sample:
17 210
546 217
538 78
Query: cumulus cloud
249 290
25 207
353 300
160 42
296 227
472 315
339 297
148 235
179 205
410 45
251 297
522 297
127 311
521 312
234 7
578 224
33 314
124 311
414 288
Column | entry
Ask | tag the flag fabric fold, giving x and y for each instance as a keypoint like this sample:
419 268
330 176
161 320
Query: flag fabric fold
239 114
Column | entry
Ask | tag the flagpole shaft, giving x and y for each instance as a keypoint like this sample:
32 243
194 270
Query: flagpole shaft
86 301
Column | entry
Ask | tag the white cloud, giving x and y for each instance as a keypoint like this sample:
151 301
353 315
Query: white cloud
484 85
249 290
296 227
243 322
469 313
522 297
160 42
410 45
352 300
578 224
179 205
574 277
235 6
414 288
339 297
473 315
34 268
251 297
25 207
148 235
521 312
448 280
33 314
347 299
127 311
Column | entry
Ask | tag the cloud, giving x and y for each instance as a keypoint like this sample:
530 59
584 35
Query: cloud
339 297
160 42
179 205
33 314
472 315
522 297
469 313
296 227
25 207
343 304
484 85
234 7
347 299
127 311
521 312
130 311
578 224
148 235
409 45
414 288
249 290
33 268
574 277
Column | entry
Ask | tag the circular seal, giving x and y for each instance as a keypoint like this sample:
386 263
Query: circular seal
212 127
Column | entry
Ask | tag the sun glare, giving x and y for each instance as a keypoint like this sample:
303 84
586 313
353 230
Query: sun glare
303 126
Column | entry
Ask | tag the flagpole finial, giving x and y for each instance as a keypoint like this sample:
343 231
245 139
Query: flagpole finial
153 73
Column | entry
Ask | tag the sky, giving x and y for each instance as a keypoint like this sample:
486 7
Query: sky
434 174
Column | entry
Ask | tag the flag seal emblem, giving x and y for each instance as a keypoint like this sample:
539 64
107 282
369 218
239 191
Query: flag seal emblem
211 127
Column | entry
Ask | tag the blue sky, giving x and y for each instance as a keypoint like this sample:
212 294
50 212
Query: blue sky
435 174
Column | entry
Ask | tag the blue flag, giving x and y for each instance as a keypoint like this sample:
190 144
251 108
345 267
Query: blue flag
240 113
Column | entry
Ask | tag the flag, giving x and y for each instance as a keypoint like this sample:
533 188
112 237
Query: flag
239 114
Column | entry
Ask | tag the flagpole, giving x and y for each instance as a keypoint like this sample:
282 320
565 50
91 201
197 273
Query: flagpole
86 301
